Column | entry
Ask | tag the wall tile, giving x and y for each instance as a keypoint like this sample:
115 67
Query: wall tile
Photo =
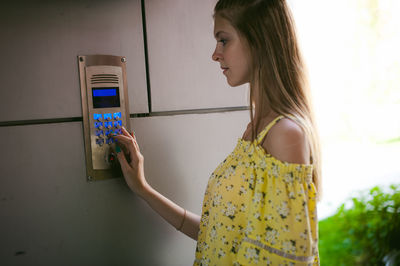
50 214
40 44
180 42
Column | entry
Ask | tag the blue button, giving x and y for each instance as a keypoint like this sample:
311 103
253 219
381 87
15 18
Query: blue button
99 141
108 132
97 116
117 116
118 123
107 116
98 124
106 124
99 132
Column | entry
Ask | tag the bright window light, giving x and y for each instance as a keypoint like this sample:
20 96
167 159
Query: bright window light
352 50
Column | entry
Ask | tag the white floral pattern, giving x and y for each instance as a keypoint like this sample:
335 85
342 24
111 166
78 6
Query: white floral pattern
283 210
252 194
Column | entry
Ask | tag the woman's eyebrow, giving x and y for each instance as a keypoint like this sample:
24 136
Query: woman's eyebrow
218 33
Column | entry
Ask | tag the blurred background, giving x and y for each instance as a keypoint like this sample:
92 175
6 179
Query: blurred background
351 47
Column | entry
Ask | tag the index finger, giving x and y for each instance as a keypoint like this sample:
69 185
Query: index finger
125 132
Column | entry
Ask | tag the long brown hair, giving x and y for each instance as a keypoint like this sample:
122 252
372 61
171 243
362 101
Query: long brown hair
268 29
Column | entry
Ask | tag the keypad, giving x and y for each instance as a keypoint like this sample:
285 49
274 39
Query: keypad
106 124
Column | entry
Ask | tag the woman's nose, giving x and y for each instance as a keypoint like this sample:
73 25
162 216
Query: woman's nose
216 55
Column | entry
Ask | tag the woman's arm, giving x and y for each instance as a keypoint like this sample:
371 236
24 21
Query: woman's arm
133 171
172 213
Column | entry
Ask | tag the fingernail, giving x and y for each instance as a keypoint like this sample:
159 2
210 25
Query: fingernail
117 149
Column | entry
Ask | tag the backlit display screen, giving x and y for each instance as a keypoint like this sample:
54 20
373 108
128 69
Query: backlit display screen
106 97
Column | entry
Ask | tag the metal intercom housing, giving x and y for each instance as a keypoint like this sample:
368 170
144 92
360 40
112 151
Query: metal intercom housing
105 108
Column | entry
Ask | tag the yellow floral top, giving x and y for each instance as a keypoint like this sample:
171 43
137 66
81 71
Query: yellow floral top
258 210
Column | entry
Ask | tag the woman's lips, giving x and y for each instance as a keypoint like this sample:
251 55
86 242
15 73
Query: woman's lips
224 69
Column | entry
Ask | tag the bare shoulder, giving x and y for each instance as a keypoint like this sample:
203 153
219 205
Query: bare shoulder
287 142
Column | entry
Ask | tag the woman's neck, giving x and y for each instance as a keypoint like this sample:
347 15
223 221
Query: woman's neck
262 111
263 116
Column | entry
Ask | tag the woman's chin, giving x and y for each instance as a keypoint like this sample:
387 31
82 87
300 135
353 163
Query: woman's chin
234 83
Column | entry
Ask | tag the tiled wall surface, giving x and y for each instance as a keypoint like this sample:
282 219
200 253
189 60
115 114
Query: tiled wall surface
49 213
40 44
181 42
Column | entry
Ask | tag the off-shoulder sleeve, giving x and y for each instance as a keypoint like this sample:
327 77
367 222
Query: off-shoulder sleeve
282 219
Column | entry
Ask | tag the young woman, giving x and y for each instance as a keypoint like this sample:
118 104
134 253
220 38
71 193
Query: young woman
260 203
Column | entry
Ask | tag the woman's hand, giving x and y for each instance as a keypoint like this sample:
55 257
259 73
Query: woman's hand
133 167
132 162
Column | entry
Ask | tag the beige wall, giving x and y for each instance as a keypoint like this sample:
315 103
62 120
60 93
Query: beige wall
49 213
181 42
40 42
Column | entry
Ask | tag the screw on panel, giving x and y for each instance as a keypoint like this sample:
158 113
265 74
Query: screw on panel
123 59
81 59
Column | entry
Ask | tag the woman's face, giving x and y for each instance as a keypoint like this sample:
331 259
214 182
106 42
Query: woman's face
230 53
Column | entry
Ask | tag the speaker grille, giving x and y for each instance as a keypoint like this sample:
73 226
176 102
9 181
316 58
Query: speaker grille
104 78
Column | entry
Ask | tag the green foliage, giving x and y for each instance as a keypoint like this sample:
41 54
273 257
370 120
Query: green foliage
392 140
364 232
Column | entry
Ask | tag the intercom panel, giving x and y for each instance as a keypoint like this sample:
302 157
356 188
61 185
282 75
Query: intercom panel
105 109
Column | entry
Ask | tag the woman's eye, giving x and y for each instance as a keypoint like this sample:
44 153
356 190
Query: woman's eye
223 41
